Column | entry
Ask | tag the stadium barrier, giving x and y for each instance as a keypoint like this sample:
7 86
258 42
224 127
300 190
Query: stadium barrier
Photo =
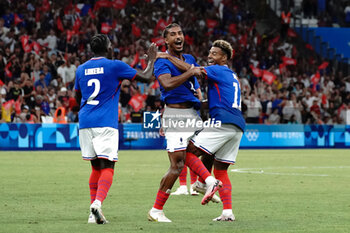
65 137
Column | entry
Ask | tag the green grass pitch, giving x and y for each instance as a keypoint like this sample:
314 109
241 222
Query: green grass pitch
273 191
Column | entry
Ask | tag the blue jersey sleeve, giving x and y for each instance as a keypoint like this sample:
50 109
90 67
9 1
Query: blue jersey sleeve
190 59
196 84
212 73
124 71
161 67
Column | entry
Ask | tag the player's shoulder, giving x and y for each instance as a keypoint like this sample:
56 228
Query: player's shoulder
80 68
225 68
162 61
216 68
188 56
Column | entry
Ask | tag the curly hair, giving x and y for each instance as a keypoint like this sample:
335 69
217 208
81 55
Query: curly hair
225 47
99 43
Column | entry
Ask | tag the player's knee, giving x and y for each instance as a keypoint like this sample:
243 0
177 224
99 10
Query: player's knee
180 167
176 169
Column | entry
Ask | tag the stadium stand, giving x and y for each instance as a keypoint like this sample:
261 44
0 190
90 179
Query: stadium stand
43 42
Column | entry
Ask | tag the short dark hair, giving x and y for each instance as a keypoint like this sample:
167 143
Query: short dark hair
99 43
166 29
225 47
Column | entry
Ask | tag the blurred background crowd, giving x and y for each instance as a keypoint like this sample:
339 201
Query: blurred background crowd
43 42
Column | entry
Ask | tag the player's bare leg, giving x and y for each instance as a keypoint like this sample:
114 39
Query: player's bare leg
220 172
104 182
177 161
176 165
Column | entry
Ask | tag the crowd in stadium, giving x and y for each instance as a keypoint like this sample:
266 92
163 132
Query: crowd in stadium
43 42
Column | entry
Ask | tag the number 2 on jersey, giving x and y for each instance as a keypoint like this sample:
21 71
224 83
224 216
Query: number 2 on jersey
91 100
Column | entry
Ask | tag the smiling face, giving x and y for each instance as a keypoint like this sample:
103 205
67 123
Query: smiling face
175 40
216 57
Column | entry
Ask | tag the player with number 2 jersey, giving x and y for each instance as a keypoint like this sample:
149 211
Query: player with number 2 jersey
99 81
97 87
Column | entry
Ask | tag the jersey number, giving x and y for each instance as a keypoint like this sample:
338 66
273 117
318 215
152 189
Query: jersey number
192 87
236 98
97 85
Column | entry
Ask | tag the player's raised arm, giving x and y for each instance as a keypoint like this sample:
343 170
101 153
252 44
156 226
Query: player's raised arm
146 75
181 65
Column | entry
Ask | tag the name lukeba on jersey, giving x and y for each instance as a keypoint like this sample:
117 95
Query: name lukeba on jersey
92 71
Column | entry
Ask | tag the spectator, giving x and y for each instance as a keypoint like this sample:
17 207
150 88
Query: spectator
291 109
253 109
28 91
51 95
36 71
69 74
51 40
41 82
3 29
47 74
62 72
63 98
274 117
345 113
15 91
24 113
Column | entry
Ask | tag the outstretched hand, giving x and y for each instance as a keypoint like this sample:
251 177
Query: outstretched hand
152 52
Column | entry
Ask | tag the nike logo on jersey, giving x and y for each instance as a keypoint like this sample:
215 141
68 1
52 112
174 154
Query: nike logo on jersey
92 71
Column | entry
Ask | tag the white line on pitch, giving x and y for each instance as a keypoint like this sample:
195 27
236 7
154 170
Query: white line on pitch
277 173
300 167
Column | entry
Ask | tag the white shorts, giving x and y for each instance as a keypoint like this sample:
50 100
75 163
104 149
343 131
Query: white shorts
177 137
222 142
99 143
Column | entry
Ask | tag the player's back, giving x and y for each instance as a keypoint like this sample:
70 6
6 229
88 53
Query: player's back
224 95
99 81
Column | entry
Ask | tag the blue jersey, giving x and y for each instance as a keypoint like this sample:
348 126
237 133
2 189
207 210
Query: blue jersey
184 92
224 95
99 81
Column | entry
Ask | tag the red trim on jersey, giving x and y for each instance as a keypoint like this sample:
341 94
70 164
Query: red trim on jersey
116 90
134 77
206 75
217 88
96 58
